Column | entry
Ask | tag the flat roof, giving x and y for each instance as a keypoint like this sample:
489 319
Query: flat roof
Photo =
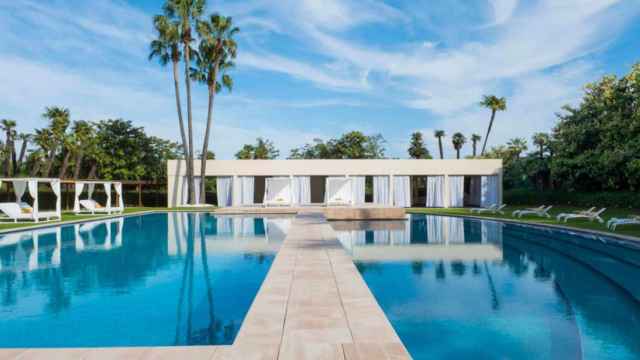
340 167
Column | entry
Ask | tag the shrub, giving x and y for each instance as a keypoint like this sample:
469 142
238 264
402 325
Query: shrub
573 198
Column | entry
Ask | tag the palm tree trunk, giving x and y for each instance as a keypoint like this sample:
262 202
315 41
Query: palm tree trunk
474 149
541 152
93 170
7 160
457 153
440 147
65 165
52 155
484 145
23 151
36 168
205 145
78 165
185 145
187 63
14 161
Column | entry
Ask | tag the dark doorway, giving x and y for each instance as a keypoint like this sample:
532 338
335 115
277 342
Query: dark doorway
418 191
318 184
472 191
368 189
258 189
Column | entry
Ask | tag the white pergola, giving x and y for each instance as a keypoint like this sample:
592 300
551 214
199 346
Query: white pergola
20 210
79 204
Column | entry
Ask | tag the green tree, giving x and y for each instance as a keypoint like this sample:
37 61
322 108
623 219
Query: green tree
186 13
59 119
25 140
517 146
9 128
417 149
439 134
351 145
458 140
166 48
217 49
495 104
541 140
474 140
263 150
84 136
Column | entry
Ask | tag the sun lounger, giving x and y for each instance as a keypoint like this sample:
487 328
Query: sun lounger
588 214
493 209
540 211
614 222
91 206
14 212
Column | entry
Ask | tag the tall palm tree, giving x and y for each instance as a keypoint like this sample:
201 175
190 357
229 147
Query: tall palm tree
495 104
517 146
83 134
474 140
44 139
8 126
25 139
186 13
215 53
166 48
58 123
458 141
540 140
440 134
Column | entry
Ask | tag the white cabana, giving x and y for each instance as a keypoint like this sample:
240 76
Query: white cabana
21 210
277 191
456 191
89 205
338 191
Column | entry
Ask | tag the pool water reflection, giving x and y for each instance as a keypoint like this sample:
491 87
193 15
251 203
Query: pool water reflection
151 280
460 288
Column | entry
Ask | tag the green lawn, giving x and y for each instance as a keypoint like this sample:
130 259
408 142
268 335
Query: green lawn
630 230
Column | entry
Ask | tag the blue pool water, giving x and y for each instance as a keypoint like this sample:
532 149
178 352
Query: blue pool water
458 288
152 280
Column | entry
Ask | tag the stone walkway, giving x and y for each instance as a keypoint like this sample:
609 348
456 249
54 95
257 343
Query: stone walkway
313 304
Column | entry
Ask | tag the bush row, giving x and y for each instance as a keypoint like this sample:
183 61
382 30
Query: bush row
583 199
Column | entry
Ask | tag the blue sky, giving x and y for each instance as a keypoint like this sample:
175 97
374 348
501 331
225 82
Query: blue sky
319 68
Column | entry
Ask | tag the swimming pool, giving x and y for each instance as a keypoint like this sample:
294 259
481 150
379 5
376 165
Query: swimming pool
462 288
152 280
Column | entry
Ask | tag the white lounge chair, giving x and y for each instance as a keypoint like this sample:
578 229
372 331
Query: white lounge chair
493 209
589 214
614 222
14 212
540 211
91 206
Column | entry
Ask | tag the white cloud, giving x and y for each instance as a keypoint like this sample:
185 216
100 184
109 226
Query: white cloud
502 10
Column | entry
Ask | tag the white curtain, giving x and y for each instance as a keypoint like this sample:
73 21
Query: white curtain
301 190
489 191
78 191
357 189
55 186
277 189
107 190
402 191
435 191
224 190
197 180
247 186
118 187
90 189
19 188
456 191
338 190
381 190
33 192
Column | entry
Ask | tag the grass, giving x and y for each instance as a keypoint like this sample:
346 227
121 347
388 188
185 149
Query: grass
581 224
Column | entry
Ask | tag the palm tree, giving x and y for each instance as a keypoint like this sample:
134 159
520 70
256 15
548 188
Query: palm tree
541 140
59 122
474 140
83 134
495 104
44 139
215 53
166 48
8 126
186 13
26 139
458 140
439 134
517 146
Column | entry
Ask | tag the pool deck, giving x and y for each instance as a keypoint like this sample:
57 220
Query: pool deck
313 304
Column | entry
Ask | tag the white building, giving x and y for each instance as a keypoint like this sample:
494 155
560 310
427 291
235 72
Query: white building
385 182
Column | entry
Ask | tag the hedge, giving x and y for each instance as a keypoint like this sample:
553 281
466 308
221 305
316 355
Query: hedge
629 199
